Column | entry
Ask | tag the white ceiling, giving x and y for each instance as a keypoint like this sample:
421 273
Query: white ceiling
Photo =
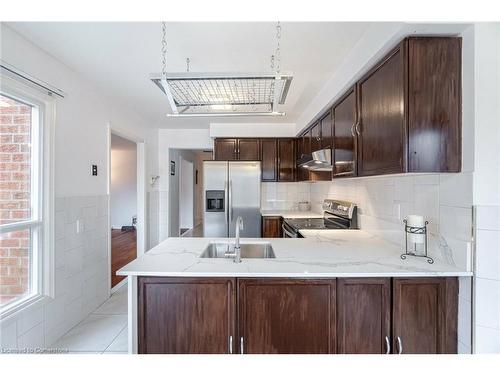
118 57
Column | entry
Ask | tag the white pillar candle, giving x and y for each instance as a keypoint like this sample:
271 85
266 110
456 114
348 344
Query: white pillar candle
416 221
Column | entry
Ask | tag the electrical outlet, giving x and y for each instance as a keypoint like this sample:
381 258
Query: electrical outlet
94 169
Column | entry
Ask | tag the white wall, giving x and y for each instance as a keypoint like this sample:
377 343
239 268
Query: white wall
257 129
81 139
487 187
123 187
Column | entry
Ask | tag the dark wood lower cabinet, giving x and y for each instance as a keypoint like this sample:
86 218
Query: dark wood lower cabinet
364 316
285 316
271 227
288 315
425 312
185 315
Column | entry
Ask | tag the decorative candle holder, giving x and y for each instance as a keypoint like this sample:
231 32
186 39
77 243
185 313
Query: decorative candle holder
409 233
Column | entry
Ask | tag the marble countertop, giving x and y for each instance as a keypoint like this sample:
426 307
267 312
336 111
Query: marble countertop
326 253
295 214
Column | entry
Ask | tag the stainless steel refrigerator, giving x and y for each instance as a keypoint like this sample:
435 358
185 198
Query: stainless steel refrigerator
231 189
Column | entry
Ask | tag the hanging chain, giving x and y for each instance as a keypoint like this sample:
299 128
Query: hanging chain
164 50
278 50
272 62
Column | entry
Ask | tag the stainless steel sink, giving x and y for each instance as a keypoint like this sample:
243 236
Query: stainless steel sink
248 250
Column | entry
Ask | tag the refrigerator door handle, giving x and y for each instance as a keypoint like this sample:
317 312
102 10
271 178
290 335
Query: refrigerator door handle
226 205
230 201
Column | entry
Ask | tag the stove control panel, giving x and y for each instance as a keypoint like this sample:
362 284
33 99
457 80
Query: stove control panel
340 208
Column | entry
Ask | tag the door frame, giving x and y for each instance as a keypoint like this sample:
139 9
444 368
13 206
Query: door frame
181 174
142 225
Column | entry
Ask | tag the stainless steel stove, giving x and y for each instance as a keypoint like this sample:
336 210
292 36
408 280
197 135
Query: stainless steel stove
336 215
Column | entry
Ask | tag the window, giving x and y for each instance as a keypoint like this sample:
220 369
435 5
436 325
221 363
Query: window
25 229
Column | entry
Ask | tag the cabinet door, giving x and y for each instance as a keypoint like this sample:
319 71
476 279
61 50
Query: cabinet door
315 137
269 159
382 126
286 160
434 108
185 315
364 313
271 227
286 316
425 315
248 149
344 139
225 149
303 148
326 125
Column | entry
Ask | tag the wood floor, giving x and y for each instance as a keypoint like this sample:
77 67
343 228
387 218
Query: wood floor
123 251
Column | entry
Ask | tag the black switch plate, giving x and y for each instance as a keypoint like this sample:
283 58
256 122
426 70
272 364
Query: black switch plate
94 170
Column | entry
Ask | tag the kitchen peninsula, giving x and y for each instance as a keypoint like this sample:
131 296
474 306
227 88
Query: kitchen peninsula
339 291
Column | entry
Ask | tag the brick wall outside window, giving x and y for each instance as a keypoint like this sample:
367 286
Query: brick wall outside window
15 179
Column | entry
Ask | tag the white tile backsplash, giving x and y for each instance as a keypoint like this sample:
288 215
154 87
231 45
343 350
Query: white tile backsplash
487 340
488 254
488 303
384 201
284 195
488 217
487 281
81 275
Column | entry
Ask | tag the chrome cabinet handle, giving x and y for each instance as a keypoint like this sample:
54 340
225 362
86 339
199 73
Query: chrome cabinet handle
352 130
241 346
387 345
357 128
400 346
231 344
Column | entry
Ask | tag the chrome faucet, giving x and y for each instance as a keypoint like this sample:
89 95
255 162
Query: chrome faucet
236 254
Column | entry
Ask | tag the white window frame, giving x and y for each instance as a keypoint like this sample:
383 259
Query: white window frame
41 221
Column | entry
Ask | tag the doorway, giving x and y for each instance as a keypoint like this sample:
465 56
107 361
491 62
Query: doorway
123 204
186 196
186 192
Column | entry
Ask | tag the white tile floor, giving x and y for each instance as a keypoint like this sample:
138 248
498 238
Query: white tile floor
103 331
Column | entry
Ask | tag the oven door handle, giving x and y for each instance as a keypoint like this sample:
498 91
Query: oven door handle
286 233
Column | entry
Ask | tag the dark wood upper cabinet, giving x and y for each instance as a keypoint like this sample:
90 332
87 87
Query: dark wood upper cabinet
434 104
271 227
286 159
363 316
316 137
344 138
269 159
225 149
286 316
410 109
326 130
303 145
425 315
248 149
382 121
186 315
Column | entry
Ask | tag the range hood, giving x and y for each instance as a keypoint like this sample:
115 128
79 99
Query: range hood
320 161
